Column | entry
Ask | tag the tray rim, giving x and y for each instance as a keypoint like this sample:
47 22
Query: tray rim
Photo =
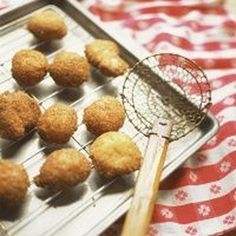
139 52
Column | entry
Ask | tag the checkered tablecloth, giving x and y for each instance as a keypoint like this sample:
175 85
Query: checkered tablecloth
199 198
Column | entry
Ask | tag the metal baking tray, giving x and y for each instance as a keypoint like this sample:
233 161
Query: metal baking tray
91 207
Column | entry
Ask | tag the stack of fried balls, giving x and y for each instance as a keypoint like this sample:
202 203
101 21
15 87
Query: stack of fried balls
112 153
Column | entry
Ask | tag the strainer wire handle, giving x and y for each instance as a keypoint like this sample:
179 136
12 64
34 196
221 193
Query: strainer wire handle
145 192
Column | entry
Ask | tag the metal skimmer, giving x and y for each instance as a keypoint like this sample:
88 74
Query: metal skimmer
166 86
166 96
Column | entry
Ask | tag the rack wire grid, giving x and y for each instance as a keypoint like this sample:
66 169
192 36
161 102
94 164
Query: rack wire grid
30 151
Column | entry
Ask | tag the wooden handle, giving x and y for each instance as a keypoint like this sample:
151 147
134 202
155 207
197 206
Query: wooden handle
145 193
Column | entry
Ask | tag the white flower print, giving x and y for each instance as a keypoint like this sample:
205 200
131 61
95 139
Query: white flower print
166 213
225 166
204 210
193 176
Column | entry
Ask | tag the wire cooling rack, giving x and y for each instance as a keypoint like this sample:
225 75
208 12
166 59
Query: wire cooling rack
30 150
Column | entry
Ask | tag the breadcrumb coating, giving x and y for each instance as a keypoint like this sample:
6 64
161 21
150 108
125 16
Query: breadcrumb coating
104 55
47 25
29 67
14 183
57 124
69 69
62 169
19 113
114 153
105 114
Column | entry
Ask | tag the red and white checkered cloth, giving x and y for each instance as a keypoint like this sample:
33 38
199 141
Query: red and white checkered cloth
199 199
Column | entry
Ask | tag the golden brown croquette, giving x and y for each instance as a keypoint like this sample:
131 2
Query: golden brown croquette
14 183
63 168
57 124
29 67
105 114
69 69
114 153
47 25
19 113
104 55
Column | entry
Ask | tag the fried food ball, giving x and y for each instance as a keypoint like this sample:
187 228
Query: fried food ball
63 168
105 114
14 183
57 124
29 67
19 113
114 153
104 55
47 25
69 69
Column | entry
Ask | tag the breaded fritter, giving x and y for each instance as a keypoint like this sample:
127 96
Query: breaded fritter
57 124
114 153
14 183
104 55
63 168
47 25
29 67
19 113
105 114
69 69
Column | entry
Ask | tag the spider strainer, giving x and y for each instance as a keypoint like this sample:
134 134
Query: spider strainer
166 86
165 96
